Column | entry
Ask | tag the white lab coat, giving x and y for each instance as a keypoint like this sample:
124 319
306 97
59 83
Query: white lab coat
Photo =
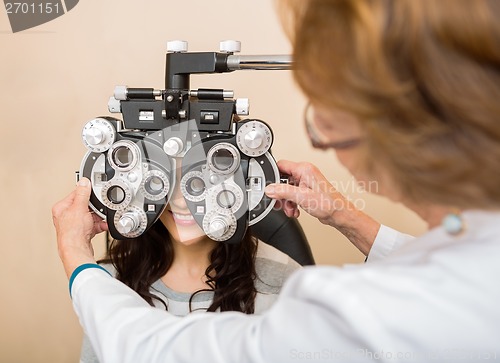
433 298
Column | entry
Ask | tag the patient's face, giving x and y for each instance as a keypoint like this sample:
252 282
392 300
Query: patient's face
178 219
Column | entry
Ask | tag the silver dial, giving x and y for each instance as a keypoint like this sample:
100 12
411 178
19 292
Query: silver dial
223 158
131 222
193 186
127 223
116 194
98 135
226 197
254 138
173 146
155 185
219 227
124 155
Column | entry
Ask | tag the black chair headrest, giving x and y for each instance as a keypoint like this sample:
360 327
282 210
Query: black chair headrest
285 234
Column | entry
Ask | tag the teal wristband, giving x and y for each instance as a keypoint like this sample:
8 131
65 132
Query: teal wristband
80 269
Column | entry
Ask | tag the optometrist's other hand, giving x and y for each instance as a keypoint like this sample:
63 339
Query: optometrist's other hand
310 190
75 227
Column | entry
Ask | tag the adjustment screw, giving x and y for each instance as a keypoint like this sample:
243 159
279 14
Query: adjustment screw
230 46
177 46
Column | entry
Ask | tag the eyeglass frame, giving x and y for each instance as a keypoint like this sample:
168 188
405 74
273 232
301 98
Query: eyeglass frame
315 137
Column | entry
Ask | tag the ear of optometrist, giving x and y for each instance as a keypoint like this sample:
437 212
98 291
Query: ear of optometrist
311 191
75 227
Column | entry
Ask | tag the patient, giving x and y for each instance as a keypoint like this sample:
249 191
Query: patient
176 267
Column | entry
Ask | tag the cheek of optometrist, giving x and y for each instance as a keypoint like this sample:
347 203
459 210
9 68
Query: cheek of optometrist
337 125
350 160
380 183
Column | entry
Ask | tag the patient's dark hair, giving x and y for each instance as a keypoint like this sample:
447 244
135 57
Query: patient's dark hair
141 261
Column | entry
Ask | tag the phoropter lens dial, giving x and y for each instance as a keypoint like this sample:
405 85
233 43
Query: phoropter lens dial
131 222
223 158
155 185
116 194
254 138
98 135
226 197
218 226
193 186
123 155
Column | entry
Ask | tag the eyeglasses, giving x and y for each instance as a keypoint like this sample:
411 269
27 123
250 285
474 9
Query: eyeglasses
319 141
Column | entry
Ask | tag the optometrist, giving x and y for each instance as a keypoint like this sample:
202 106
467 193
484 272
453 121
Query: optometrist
406 93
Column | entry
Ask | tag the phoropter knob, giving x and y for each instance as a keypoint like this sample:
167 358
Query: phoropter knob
173 146
254 138
94 136
218 227
98 135
242 106
128 223
230 46
177 46
131 222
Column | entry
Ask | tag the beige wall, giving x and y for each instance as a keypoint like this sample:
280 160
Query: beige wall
57 76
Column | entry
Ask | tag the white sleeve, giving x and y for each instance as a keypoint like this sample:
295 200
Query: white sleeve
123 328
324 313
386 241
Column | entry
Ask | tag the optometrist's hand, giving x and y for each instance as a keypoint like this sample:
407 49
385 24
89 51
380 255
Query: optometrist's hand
311 191
75 227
